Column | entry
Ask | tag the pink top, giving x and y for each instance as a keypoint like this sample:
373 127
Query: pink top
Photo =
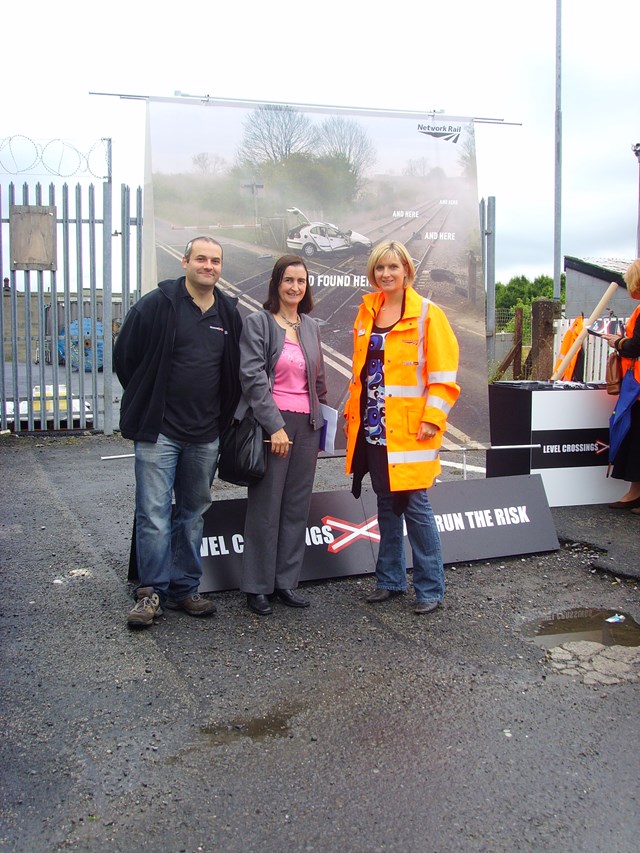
290 387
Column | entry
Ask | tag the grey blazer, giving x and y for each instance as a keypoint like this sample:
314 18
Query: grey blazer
261 344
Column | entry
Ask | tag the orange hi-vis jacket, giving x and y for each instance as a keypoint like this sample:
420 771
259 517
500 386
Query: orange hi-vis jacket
632 364
568 340
420 370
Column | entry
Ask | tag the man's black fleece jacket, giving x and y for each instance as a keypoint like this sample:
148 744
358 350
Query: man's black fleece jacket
143 352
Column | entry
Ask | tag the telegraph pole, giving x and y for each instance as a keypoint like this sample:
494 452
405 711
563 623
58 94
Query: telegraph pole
636 150
557 218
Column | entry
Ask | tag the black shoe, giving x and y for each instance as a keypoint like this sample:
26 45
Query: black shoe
259 604
632 504
291 598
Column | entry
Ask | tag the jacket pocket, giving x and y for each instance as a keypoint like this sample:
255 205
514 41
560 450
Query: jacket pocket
414 418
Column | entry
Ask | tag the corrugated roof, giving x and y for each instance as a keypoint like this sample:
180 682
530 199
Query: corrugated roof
611 264
605 269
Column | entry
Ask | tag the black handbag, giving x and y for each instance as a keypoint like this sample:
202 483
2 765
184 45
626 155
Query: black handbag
242 459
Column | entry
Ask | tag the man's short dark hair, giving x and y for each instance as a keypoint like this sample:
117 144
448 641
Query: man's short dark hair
189 246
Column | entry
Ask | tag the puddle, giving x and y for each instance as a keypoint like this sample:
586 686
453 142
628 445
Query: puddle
256 728
584 624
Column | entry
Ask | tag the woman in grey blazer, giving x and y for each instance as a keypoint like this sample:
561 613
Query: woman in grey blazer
283 382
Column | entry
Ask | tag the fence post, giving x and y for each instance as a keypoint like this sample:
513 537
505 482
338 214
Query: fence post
517 340
543 313
489 239
107 304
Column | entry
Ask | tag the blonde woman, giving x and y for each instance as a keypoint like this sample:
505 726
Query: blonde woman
405 361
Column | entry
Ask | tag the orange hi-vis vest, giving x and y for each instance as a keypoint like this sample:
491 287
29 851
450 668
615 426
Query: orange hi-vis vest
420 371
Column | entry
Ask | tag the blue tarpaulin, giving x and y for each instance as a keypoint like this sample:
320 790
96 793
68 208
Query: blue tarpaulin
86 345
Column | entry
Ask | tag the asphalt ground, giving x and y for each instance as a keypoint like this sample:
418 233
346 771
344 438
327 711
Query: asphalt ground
343 727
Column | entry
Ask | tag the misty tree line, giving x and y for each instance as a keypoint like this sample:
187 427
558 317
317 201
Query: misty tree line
282 145
323 163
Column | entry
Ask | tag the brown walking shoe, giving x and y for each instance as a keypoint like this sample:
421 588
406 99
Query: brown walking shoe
379 595
426 606
194 605
146 609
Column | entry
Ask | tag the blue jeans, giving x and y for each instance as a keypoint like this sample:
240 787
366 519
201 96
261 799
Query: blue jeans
391 567
168 539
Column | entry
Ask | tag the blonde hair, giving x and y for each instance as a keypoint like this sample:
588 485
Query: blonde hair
632 278
394 248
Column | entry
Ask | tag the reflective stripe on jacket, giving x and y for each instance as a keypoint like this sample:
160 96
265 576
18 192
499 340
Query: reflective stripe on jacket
420 370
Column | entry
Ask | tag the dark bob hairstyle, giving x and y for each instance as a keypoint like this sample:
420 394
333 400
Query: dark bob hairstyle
272 302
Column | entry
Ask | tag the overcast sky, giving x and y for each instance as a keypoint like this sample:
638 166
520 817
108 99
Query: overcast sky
495 59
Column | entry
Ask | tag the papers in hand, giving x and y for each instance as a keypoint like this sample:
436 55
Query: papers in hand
328 434
606 326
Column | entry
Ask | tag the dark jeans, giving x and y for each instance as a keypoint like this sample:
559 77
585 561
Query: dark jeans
424 539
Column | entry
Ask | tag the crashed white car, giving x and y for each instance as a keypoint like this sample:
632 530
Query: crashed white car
312 238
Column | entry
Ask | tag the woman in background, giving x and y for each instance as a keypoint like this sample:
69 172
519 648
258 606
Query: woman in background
283 381
626 465
402 389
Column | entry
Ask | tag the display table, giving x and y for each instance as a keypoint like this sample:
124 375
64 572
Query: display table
558 430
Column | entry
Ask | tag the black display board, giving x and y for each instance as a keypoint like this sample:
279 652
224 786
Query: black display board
557 430
477 520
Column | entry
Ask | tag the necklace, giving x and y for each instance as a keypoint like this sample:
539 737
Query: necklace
295 325
392 307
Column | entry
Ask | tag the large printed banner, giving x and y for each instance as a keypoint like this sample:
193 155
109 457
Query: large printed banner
476 519
327 184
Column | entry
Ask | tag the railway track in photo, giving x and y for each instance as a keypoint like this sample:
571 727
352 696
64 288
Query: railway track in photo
338 283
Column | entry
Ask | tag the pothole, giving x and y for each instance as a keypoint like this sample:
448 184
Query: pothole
597 647
607 627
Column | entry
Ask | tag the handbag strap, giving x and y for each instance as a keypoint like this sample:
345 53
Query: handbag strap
270 338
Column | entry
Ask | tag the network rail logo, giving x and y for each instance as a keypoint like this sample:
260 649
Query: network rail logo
448 132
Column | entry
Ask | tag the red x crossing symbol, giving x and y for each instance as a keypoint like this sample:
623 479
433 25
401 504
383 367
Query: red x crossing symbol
352 532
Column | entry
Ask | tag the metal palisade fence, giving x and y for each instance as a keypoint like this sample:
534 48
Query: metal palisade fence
69 278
